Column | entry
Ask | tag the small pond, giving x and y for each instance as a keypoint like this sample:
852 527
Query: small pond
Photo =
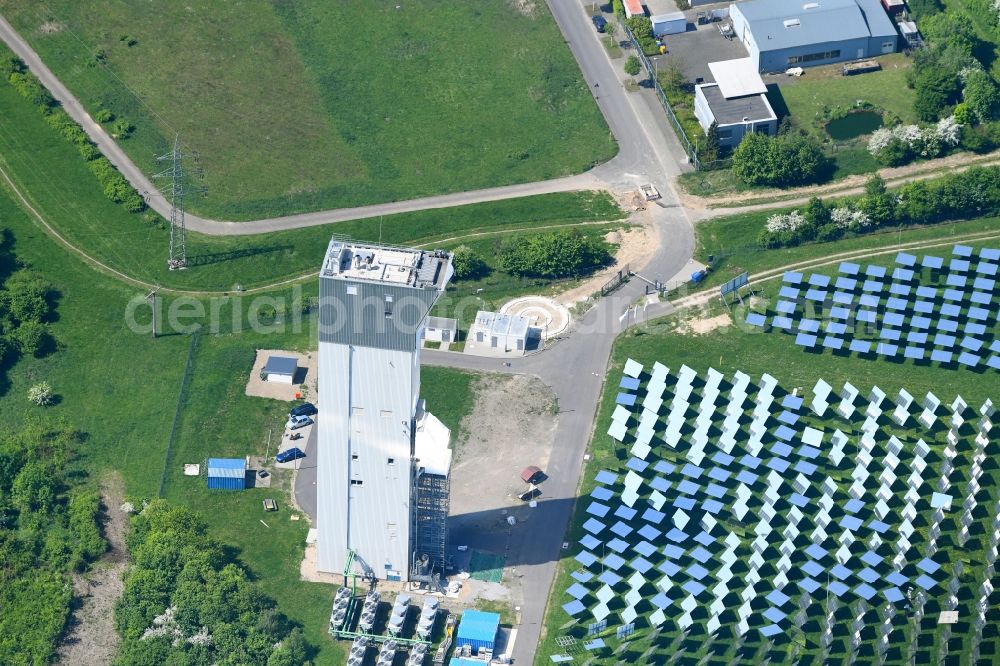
854 125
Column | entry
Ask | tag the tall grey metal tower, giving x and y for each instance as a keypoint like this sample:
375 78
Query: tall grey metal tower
176 189
383 460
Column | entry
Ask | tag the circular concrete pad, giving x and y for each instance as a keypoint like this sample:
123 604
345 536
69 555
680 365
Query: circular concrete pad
544 313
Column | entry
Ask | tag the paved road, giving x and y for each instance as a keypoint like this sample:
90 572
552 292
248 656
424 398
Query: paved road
575 367
626 168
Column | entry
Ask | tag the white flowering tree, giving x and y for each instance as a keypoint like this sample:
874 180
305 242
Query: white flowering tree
848 219
895 145
781 223
949 131
41 394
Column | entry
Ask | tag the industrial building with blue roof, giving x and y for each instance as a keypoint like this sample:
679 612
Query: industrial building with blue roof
800 33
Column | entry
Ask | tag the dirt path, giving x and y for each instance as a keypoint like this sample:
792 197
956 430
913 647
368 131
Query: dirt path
742 202
91 638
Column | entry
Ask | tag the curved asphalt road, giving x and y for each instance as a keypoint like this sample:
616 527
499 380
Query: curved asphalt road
575 367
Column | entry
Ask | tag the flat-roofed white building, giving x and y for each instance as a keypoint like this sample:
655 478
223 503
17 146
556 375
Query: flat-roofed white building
376 494
497 333
441 329
735 101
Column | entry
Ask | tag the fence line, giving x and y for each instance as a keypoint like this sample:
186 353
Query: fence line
678 128
185 380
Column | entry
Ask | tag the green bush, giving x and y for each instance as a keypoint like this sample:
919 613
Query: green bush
936 89
981 95
32 90
32 338
977 139
84 512
632 66
924 8
9 64
554 255
779 161
640 26
122 129
176 565
104 116
467 264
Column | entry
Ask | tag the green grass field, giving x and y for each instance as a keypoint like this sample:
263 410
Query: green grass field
826 88
59 185
309 105
121 388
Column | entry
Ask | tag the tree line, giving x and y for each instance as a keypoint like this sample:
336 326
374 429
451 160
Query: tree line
553 255
972 193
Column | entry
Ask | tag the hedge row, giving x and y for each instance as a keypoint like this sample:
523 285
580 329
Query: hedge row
972 193
115 186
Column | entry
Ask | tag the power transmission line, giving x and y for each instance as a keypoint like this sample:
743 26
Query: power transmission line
177 189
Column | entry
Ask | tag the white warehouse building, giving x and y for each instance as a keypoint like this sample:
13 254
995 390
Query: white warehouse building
383 461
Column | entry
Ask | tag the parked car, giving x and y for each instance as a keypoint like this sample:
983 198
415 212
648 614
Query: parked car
305 409
288 455
599 22
296 422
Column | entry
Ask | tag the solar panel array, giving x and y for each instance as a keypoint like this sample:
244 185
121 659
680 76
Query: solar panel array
925 310
730 500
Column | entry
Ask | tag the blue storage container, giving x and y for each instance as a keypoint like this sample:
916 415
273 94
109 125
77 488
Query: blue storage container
478 630
227 473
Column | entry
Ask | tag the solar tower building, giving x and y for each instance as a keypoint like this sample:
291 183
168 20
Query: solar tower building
383 461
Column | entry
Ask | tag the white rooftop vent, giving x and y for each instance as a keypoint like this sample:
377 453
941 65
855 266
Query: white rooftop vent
810 5
792 23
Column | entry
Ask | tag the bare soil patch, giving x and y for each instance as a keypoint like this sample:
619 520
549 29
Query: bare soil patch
305 378
50 28
525 7
636 245
91 638
705 325
511 427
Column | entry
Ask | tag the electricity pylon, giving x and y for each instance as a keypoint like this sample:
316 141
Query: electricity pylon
176 189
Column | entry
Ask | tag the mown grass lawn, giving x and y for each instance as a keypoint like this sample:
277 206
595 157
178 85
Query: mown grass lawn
51 174
823 88
121 388
310 105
